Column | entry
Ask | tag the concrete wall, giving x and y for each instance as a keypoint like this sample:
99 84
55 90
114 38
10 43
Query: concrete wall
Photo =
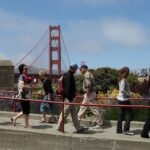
23 140
20 140
6 74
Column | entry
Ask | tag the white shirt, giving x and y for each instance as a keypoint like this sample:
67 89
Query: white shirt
124 90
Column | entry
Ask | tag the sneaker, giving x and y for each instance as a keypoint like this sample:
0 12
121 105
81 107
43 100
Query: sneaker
82 130
128 133
98 127
145 136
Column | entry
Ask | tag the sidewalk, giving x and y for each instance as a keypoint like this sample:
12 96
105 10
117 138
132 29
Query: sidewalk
44 135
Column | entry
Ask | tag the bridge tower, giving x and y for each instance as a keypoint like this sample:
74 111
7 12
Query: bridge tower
54 49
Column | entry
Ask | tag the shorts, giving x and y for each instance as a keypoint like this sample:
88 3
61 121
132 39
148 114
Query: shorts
25 105
46 107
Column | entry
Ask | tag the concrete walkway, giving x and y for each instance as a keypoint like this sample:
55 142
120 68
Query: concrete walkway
44 136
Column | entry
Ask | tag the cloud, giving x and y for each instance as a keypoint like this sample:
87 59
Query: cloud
84 36
104 34
19 34
124 32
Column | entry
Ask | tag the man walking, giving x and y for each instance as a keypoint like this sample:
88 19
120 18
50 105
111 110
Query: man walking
89 96
69 92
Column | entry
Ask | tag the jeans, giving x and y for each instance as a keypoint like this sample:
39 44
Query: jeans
122 113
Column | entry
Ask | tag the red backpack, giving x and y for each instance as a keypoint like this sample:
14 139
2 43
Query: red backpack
60 87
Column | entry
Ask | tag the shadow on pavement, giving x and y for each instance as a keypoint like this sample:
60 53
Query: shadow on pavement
41 127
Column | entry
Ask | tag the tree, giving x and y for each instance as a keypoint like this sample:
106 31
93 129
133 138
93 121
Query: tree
106 78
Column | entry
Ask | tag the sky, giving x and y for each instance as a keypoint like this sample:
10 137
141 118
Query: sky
102 33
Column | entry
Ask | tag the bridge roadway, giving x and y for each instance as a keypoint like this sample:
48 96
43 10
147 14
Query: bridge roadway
44 136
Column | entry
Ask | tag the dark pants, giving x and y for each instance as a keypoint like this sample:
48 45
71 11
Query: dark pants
146 127
122 113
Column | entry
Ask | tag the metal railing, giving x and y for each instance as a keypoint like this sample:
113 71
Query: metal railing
77 104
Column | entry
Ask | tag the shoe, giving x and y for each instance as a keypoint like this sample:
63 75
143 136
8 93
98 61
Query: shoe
29 127
128 133
145 136
98 127
13 121
82 130
59 130
119 132
42 121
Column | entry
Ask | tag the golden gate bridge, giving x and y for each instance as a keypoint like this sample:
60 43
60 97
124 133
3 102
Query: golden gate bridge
48 53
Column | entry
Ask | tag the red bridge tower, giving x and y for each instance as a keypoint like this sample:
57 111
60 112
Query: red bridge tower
54 49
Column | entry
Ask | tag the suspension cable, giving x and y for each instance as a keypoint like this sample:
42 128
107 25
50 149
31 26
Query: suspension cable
32 48
65 47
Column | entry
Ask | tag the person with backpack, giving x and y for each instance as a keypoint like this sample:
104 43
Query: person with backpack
48 95
69 93
89 88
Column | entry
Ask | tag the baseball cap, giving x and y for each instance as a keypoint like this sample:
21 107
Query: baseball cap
84 66
74 66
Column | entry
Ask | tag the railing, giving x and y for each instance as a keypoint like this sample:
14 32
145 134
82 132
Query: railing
78 104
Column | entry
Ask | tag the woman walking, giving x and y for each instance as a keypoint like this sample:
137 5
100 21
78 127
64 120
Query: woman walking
123 99
24 92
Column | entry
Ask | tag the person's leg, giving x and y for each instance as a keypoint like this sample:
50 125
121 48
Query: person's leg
26 113
26 117
52 109
75 118
129 117
43 119
82 108
14 118
66 113
43 110
95 111
146 127
120 119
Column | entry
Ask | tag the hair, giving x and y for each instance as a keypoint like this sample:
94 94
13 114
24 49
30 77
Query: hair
124 72
43 73
21 67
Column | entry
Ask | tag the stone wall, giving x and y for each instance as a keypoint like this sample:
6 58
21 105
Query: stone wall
6 74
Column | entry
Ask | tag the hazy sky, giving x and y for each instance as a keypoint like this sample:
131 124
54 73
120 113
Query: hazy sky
112 33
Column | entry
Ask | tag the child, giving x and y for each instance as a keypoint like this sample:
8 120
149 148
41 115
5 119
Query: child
123 99
48 95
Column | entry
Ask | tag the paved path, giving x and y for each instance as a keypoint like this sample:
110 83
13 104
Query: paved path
108 133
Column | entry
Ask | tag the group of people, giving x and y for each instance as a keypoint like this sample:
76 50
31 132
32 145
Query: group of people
69 93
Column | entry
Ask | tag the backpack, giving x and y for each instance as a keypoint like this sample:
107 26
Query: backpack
60 87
